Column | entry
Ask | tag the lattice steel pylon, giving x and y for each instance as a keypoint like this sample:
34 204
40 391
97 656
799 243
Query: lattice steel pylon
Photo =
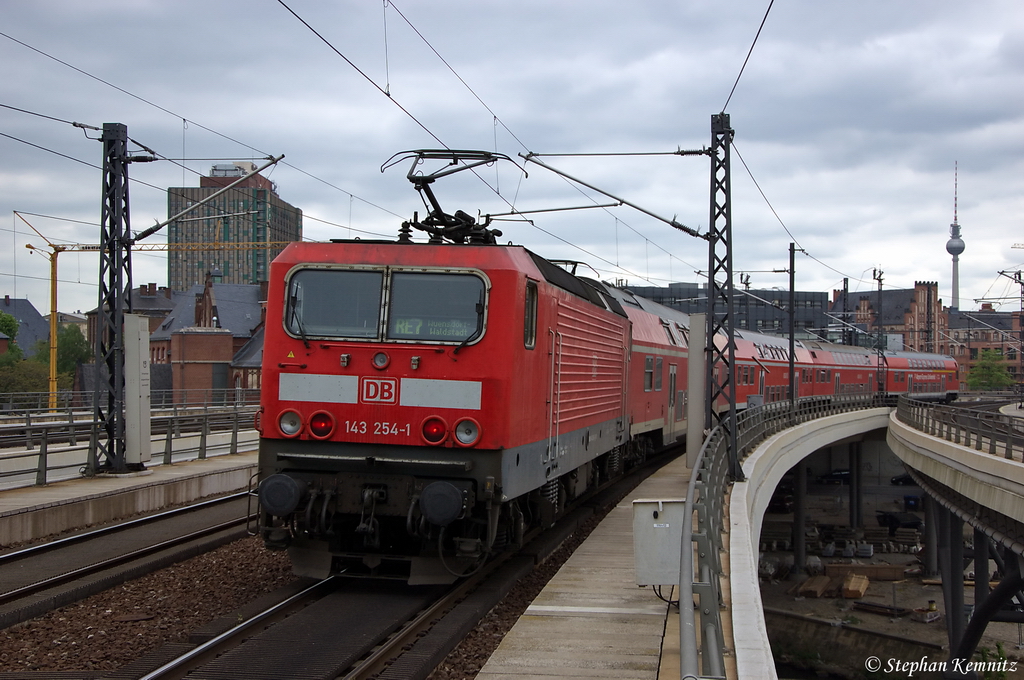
114 301
721 351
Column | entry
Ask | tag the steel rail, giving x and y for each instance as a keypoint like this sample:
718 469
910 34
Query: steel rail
123 558
168 669
114 528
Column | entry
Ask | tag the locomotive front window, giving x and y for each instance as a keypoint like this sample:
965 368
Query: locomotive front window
334 303
435 306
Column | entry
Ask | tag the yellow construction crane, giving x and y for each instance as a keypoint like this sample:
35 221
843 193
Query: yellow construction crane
58 248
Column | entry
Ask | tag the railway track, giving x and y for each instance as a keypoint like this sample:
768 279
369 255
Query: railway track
39 578
360 629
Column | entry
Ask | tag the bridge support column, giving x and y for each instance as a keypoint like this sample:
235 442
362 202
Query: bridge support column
799 532
931 533
951 569
981 574
856 488
988 609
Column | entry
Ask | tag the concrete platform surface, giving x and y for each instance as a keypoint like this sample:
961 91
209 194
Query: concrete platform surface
592 620
36 512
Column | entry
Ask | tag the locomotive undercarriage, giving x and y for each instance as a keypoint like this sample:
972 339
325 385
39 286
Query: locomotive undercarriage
361 520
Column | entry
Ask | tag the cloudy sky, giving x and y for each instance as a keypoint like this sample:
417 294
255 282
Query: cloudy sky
849 118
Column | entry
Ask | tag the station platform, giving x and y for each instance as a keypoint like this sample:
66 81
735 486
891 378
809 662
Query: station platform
592 620
34 513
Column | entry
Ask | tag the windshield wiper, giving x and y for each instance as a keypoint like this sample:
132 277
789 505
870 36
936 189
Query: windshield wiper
479 325
293 302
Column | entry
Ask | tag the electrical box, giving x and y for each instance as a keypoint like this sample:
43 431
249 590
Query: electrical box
657 534
137 412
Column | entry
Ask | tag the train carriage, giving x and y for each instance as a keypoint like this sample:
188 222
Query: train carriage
921 376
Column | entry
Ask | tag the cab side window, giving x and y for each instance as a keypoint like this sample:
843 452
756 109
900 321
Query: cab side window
530 323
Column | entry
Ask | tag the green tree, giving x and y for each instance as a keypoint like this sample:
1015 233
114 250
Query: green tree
9 327
24 376
989 372
72 349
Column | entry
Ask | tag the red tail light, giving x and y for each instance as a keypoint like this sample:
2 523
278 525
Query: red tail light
321 425
434 430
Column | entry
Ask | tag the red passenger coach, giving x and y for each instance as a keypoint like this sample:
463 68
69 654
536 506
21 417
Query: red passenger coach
423 404
921 376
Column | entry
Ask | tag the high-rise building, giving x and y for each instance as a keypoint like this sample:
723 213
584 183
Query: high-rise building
250 213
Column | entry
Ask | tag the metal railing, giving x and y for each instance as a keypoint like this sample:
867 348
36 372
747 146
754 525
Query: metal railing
71 425
19 404
983 430
79 441
705 506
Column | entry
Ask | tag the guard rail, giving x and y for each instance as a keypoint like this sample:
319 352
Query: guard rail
705 508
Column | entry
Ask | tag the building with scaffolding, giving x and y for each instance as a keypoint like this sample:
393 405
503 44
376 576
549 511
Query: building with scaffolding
250 213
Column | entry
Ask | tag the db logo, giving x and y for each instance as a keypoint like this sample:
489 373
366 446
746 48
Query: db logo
378 391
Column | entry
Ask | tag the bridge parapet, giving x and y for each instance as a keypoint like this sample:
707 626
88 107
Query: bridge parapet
991 432
701 567
972 462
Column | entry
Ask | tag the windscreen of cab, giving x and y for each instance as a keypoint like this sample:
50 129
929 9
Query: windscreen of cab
395 305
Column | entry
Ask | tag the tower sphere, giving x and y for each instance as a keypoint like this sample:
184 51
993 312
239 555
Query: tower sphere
955 246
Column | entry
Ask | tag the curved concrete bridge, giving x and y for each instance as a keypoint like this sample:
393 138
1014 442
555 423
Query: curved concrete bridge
971 467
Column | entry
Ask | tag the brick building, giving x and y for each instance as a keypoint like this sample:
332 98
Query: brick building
910 318
200 337
970 333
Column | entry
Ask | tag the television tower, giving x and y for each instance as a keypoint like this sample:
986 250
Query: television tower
955 246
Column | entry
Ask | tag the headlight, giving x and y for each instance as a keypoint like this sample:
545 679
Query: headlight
467 432
290 423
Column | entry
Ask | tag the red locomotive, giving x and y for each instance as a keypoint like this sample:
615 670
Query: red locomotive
426 403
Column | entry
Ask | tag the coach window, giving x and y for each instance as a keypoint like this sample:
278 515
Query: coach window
657 374
436 306
683 334
668 333
334 303
530 327
648 374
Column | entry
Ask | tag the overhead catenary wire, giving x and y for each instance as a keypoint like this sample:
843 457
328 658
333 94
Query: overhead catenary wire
747 59
361 72
495 117
783 224
391 5
185 122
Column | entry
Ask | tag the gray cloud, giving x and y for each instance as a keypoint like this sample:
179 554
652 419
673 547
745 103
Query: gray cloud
849 115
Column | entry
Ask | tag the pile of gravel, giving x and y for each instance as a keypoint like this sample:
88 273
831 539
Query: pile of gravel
117 626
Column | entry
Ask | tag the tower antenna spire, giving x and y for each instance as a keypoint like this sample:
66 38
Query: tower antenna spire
955 244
